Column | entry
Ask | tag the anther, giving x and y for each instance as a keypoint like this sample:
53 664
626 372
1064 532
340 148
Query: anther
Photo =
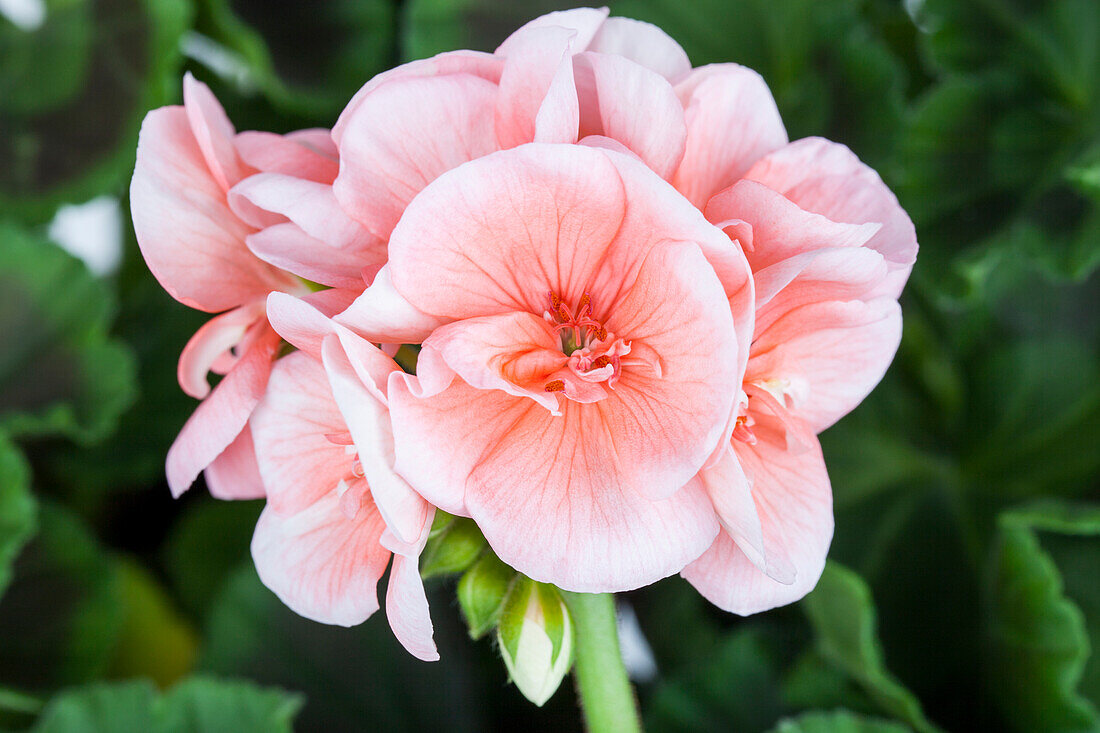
556 386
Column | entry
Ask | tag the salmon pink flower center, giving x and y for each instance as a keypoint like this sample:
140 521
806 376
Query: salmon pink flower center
594 354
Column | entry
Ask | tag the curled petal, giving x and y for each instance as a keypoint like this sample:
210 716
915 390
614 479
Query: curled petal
213 132
307 154
212 342
644 44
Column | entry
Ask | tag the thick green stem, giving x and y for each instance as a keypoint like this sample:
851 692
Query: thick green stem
606 696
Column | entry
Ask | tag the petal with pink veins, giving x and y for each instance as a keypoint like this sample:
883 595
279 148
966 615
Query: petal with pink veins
291 427
794 502
828 179
289 248
221 417
367 417
235 474
405 134
321 564
838 349
611 89
213 132
731 121
307 154
191 240
538 98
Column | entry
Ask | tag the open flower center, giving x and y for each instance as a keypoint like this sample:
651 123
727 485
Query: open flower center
595 355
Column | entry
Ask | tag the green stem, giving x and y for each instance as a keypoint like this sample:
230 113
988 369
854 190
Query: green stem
606 696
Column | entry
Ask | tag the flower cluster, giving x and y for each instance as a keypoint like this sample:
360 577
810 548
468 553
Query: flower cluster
633 305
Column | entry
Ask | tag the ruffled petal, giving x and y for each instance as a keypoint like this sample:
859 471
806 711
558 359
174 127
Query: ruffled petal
611 90
307 154
643 43
289 248
828 179
731 121
321 564
211 343
406 604
584 22
235 474
213 132
221 417
382 315
538 98
403 135
794 501
191 240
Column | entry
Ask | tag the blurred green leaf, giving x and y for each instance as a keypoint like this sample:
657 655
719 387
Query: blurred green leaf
208 543
42 67
63 612
197 704
837 721
76 138
843 615
1037 637
308 58
59 372
734 686
348 675
17 508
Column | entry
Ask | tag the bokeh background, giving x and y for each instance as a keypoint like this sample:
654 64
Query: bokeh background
964 587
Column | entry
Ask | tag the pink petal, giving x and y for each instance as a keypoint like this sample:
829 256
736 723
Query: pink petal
496 235
827 178
307 154
221 417
235 474
382 315
290 426
643 43
538 99
794 502
406 604
321 564
212 341
368 420
287 247
585 22
475 63
190 239
839 350
403 135
550 493
780 228
513 352
213 132
312 206
299 322
732 121
611 89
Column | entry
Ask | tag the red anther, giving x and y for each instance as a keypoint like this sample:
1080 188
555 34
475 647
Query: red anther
586 303
556 386
601 334
555 300
599 363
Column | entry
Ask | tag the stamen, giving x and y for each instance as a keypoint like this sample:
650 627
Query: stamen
600 362
556 386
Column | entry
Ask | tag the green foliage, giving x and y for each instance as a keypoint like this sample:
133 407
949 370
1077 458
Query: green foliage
1037 635
17 508
59 372
75 92
837 721
196 704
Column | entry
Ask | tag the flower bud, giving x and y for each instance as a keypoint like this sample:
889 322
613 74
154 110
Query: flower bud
481 593
536 638
451 548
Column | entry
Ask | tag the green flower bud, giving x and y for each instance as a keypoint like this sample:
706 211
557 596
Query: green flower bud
481 593
452 549
536 638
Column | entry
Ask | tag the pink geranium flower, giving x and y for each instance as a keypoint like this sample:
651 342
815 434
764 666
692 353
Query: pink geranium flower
197 213
336 512
580 362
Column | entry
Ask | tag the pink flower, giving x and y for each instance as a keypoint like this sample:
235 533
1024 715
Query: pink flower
198 219
336 511
829 248
579 362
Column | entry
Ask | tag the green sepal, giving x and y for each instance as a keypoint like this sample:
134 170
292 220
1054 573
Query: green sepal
453 550
481 593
